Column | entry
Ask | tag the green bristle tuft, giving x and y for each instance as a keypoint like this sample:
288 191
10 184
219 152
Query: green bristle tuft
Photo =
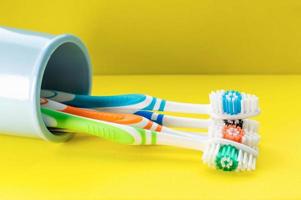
227 158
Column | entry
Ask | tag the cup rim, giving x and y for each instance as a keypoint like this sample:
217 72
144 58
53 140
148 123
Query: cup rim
40 67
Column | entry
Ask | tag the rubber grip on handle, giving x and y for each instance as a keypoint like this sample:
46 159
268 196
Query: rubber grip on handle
109 117
97 128
85 101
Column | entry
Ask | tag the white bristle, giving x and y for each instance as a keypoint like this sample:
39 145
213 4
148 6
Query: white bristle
210 153
246 161
250 125
251 103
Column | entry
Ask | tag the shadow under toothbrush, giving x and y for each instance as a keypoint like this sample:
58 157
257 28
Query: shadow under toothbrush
106 150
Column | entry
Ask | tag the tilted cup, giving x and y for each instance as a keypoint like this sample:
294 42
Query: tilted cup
29 62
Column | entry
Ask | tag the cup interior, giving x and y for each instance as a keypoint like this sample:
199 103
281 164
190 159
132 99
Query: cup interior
67 70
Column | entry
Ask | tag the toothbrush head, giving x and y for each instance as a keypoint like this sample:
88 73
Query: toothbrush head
241 131
233 105
232 132
227 155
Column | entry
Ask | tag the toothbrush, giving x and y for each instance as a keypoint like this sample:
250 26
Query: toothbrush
217 128
223 104
188 122
219 153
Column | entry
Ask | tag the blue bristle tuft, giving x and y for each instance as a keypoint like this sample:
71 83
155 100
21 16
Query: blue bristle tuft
232 102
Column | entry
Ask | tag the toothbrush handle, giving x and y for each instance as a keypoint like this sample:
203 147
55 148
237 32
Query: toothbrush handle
138 102
129 119
127 101
181 141
109 117
178 107
121 133
174 121
113 132
134 101
119 118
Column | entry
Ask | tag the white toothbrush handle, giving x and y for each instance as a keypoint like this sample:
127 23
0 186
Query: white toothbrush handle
173 121
181 141
187 107
197 136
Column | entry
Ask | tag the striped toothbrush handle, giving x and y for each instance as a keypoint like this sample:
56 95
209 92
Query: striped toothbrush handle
173 121
126 119
110 131
124 102
118 133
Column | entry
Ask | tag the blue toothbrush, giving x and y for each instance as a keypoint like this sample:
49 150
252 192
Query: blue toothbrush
223 104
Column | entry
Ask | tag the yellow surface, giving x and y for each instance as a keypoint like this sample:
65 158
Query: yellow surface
172 36
90 168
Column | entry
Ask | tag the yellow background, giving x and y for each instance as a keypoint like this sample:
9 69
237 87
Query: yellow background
90 168
172 36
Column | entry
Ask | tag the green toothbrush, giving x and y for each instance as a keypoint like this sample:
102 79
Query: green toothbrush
219 153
